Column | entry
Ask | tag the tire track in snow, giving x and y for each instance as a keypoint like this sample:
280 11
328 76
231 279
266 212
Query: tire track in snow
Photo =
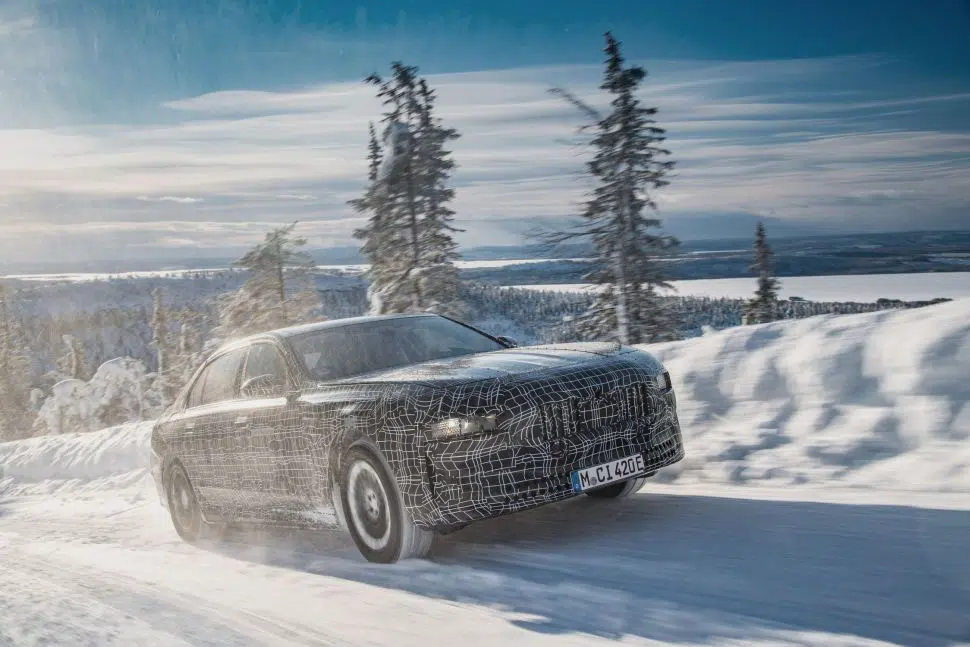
174 612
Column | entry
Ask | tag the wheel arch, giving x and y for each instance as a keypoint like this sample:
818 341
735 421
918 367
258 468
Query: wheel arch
369 444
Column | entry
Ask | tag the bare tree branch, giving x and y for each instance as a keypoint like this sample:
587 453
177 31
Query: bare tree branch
588 110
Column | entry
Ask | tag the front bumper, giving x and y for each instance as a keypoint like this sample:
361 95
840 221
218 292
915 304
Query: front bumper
489 476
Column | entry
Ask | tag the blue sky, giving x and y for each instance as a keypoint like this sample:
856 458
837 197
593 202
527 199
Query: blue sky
183 127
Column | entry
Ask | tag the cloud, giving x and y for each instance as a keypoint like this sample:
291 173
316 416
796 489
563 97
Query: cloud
798 138
169 198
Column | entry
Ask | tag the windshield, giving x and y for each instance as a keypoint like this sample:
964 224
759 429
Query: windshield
345 351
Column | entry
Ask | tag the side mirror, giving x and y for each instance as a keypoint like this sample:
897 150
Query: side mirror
261 386
508 342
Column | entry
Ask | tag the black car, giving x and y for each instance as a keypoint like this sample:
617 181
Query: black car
406 425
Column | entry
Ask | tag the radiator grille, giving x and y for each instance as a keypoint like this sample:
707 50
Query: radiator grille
565 418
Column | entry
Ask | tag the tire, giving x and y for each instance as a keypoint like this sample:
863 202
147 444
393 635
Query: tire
619 490
380 525
184 508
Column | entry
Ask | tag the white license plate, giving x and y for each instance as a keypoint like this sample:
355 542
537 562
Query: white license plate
598 475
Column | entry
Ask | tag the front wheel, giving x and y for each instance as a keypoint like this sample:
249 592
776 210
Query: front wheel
618 490
380 525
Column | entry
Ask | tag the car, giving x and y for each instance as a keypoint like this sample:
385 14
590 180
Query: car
398 427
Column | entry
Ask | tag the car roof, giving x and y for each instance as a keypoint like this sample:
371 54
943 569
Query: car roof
339 323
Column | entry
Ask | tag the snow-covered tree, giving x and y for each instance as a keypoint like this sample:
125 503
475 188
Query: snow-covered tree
408 238
628 166
764 306
71 364
161 340
190 355
167 369
121 390
15 373
279 292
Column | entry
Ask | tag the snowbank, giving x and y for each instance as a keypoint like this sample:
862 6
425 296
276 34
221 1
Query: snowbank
872 400
48 462
879 399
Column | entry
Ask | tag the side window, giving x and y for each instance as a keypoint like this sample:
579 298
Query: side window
195 395
221 377
265 373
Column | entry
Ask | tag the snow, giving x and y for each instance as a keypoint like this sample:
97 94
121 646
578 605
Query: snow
824 501
851 287
38 465
87 277
877 400
121 390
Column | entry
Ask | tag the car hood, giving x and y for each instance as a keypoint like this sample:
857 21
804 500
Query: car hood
495 364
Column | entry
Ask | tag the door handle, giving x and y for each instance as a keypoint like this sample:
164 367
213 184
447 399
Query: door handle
241 420
189 426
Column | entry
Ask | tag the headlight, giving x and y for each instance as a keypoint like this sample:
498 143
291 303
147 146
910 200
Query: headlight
663 381
455 427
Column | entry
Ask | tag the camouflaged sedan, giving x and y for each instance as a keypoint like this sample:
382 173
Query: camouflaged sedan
403 426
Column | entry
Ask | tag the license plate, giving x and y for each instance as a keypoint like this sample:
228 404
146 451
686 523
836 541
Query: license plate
620 470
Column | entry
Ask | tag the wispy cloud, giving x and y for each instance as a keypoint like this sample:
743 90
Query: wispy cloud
169 198
776 136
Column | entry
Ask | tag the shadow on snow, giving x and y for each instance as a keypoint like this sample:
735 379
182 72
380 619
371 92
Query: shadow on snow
681 568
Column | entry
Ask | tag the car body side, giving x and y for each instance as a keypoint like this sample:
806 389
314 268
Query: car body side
573 406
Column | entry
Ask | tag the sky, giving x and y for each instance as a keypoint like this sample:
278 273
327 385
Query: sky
185 128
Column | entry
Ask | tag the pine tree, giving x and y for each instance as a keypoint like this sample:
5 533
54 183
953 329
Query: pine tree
408 239
628 165
160 333
189 354
72 363
763 307
279 292
15 374
167 369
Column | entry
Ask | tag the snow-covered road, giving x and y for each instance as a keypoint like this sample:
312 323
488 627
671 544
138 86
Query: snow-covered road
825 500
668 566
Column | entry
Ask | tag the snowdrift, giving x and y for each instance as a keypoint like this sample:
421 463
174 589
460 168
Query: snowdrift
111 456
879 399
872 400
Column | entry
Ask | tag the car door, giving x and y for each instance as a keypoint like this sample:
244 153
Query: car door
273 469
206 426
182 428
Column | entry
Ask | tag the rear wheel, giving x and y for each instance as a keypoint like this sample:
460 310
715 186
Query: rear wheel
618 490
380 525
184 508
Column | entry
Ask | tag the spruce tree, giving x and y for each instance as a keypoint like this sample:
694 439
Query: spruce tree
763 307
15 374
160 333
408 239
279 292
628 166
72 363
167 371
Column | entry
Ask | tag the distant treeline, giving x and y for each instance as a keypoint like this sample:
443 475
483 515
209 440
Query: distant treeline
113 318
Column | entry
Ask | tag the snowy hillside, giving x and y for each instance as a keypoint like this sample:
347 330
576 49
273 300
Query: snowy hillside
877 399
825 500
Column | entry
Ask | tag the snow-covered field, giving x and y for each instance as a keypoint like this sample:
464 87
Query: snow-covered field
85 277
825 500
852 287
